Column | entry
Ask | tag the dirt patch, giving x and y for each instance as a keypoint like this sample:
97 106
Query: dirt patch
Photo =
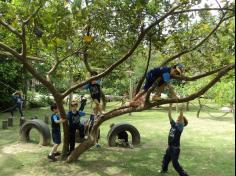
21 147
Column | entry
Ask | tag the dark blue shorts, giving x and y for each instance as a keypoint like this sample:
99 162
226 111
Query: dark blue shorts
56 137
149 82
97 97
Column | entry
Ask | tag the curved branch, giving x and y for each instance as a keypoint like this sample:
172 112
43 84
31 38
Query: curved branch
203 9
202 91
33 58
196 46
59 61
10 50
125 57
10 28
32 15
146 70
191 97
29 67
194 78
85 59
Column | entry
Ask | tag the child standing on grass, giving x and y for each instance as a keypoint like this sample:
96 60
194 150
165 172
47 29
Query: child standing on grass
73 117
18 101
173 150
56 132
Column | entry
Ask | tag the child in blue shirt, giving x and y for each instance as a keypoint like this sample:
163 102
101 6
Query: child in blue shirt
56 132
173 150
95 92
162 75
18 101
73 117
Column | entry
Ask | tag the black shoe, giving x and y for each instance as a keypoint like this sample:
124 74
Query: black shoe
162 172
57 154
52 157
184 174
68 154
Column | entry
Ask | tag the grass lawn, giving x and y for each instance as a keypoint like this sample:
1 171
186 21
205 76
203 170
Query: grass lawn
207 149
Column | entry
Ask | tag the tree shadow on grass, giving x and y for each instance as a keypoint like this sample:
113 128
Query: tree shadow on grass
119 161
9 165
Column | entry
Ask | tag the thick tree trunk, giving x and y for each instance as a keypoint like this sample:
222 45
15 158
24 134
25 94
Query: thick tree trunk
25 85
62 111
187 106
84 146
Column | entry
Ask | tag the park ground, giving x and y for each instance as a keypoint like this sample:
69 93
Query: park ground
208 148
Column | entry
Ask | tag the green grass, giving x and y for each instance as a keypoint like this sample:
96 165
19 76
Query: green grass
207 149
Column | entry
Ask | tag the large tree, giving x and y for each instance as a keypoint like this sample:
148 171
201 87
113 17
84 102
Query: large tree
54 35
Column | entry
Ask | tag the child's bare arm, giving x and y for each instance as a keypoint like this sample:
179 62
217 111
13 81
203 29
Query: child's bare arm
172 92
60 121
169 113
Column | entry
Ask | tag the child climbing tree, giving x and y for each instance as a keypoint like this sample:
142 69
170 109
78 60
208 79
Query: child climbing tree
119 31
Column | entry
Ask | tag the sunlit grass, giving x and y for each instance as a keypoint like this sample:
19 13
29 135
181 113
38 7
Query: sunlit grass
207 144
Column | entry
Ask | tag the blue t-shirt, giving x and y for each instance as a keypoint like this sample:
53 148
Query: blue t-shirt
55 126
95 89
74 118
175 133
163 72
18 99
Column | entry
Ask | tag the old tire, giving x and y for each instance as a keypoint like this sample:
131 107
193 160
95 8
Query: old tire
112 134
40 126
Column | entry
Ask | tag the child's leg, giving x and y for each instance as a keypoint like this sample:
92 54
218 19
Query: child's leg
20 109
54 149
13 109
98 106
72 140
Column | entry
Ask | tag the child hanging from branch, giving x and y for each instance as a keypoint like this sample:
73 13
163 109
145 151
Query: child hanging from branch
173 149
162 75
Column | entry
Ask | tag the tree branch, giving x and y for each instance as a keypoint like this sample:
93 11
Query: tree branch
125 57
191 97
194 78
24 44
140 83
10 28
37 75
203 9
59 61
33 58
10 50
32 15
196 46
202 91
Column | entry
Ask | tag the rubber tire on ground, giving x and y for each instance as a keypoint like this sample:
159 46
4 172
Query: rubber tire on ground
112 134
40 126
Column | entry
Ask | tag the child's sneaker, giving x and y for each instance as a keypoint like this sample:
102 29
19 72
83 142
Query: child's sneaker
52 157
57 154
98 145
131 146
